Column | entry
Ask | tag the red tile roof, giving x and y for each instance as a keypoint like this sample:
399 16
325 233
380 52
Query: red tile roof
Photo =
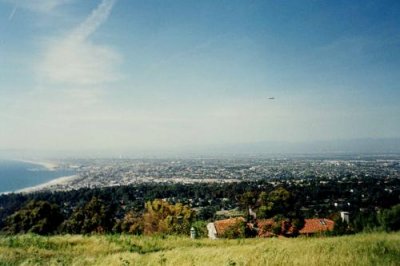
317 225
311 226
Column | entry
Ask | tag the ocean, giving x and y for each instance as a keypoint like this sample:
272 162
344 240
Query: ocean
16 175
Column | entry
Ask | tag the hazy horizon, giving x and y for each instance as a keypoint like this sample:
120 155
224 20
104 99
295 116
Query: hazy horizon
349 147
190 76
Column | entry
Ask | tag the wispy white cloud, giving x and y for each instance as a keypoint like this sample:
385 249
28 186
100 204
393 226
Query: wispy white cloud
75 65
74 59
37 5
90 25
14 10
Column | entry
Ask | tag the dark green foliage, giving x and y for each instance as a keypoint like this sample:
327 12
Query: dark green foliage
240 229
278 201
201 229
315 199
162 217
248 199
298 223
94 217
132 223
390 218
280 204
237 230
365 222
341 227
277 228
39 217
206 213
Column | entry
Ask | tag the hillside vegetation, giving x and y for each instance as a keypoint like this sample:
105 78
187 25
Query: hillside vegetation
361 249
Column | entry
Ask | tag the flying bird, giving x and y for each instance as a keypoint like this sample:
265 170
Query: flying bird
271 98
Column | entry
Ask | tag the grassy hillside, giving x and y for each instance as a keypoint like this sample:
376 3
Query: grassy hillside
363 249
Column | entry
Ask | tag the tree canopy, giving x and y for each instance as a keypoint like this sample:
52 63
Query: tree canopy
38 217
163 217
94 217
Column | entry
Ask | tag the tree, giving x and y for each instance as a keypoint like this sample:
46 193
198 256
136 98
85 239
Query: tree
38 217
132 223
390 218
365 222
278 201
236 230
340 228
206 213
94 217
163 217
201 229
247 201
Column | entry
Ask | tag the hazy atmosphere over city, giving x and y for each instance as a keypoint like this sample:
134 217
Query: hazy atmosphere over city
122 75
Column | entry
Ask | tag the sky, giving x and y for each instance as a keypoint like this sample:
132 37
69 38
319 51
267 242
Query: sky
127 75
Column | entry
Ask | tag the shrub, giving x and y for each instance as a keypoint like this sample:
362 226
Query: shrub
161 217
38 217
201 229
390 218
94 217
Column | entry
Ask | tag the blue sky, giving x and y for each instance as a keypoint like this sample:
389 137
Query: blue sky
178 75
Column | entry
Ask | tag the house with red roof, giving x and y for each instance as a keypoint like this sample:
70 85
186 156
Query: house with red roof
311 226
316 226
266 227
218 228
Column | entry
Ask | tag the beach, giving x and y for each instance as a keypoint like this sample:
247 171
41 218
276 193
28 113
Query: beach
25 176
51 185
51 166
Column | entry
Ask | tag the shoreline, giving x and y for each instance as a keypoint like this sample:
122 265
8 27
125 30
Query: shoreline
47 185
50 166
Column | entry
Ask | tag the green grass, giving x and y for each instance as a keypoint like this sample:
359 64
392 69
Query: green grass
362 249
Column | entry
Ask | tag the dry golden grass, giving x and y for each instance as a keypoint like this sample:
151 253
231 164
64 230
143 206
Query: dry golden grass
362 249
